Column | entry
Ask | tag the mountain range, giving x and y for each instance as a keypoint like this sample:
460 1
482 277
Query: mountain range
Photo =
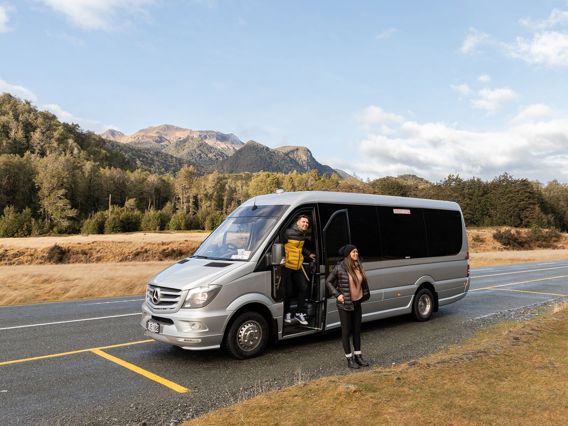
209 150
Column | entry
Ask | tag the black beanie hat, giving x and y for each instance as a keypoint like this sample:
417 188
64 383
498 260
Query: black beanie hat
346 249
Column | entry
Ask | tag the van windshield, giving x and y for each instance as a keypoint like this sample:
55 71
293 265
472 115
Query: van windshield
239 236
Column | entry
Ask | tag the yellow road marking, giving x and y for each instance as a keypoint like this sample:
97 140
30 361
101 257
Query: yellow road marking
518 283
532 292
141 371
36 358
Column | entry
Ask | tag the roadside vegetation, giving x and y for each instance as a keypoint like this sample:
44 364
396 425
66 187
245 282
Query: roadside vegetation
510 374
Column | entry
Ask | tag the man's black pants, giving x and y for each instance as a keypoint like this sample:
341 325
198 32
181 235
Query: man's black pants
296 284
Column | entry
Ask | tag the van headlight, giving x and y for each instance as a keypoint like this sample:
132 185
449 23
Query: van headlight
201 296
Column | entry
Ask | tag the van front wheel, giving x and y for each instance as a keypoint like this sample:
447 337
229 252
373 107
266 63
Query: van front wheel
248 335
423 305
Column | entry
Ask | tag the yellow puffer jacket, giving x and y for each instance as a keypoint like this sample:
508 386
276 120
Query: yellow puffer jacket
294 257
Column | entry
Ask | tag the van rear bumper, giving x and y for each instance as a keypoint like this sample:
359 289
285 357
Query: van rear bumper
175 329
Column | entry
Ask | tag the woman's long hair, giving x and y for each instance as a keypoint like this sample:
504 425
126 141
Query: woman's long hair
351 266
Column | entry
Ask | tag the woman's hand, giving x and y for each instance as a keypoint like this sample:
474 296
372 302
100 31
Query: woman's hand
340 298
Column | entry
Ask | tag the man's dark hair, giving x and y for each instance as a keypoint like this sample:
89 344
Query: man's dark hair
301 216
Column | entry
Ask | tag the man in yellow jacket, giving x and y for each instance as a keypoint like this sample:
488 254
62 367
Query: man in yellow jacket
295 276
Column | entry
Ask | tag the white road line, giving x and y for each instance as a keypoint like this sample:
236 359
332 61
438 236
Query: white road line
67 322
519 272
116 301
517 283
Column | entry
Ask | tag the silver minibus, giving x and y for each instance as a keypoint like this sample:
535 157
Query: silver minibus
230 292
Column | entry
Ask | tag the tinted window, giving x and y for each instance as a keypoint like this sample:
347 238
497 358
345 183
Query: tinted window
365 231
444 229
403 233
336 234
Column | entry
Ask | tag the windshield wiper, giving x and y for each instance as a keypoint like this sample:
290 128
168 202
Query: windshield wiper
197 256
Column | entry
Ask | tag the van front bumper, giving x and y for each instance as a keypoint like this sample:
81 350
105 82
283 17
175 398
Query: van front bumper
175 328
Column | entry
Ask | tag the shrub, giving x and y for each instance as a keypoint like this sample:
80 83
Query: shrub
14 224
95 224
130 220
39 227
56 254
478 239
151 221
543 238
511 239
122 220
113 224
179 222
536 237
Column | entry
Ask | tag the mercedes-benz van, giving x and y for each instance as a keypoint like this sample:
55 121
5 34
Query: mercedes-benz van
230 292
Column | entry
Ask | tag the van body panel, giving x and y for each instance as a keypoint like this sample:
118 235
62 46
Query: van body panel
245 277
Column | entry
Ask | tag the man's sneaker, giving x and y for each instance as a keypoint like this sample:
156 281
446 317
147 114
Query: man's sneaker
288 318
301 318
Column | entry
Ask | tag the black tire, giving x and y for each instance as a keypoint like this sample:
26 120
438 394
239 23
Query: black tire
247 336
423 305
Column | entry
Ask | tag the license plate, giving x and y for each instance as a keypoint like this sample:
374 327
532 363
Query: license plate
153 326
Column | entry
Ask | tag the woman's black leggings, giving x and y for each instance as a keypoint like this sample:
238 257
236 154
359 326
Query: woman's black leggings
351 326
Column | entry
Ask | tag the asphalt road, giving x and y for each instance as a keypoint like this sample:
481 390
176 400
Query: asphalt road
51 371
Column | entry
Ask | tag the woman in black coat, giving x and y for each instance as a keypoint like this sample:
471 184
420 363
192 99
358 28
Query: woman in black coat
348 283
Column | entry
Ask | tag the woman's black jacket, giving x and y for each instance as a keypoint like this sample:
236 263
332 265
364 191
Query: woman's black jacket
338 283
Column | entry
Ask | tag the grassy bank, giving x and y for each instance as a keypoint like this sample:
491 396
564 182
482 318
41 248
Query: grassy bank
512 374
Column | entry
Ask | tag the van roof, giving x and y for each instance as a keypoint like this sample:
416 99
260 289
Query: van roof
297 198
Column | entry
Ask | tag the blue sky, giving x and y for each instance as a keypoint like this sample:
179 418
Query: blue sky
377 88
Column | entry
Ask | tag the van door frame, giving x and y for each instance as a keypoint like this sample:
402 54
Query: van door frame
343 210
319 304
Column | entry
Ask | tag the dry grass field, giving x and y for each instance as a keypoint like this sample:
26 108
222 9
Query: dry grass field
24 284
45 269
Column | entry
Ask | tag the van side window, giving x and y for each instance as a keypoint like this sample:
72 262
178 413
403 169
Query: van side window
403 232
365 232
444 229
336 233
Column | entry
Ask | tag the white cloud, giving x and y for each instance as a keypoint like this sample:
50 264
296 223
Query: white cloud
555 19
492 100
384 34
546 45
545 48
473 40
532 113
19 91
374 115
4 19
68 117
484 78
462 89
537 150
60 113
98 14
63 115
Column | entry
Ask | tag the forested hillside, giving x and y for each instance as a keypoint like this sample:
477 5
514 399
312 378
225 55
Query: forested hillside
56 178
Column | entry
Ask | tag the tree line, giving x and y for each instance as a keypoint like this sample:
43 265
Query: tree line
65 194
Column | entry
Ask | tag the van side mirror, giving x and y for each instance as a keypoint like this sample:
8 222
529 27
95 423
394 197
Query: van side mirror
277 254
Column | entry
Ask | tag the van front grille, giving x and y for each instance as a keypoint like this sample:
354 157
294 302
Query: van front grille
163 299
